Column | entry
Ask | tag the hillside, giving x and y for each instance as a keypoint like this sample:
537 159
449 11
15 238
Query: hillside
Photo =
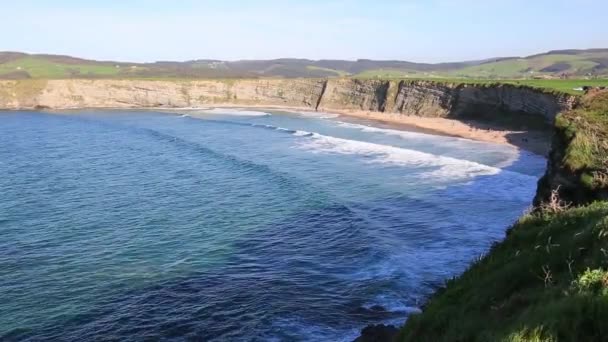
573 63
548 281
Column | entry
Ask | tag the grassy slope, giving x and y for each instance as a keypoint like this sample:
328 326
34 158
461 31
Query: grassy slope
43 68
578 63
548 281
586 129
521 67
572 64
339 73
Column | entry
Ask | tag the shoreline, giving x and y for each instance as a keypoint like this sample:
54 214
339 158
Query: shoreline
537 142
533 141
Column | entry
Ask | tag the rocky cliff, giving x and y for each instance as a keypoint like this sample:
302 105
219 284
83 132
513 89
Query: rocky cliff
420 98
548 280
577 168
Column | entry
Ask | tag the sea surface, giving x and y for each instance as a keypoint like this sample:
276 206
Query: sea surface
237 225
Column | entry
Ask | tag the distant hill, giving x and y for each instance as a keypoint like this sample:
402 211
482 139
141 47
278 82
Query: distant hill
572 63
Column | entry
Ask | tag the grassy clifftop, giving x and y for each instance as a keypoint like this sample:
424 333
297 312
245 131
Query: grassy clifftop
548 281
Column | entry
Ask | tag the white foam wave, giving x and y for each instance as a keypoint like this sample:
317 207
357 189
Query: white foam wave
391 304
387 131
408 134
444 168
319 115
302 133
232 111
177 109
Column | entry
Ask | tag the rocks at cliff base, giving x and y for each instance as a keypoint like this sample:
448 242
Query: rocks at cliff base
378 333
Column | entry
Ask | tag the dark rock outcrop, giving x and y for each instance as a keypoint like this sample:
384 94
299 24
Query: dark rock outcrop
378 333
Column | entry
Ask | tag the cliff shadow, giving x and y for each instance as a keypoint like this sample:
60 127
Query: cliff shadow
526 131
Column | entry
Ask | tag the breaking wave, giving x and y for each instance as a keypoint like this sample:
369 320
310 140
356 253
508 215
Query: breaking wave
442 167
232 111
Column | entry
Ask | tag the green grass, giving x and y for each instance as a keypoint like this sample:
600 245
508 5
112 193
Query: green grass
586 132
515 68
548 281
577 62
391 73
340 73
564 86
503 69
518 68
43 68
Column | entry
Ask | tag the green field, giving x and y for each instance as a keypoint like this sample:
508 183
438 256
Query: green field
566 86
43 68
575 64
339 73
394 73
511 71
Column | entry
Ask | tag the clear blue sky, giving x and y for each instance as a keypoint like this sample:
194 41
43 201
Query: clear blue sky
416 30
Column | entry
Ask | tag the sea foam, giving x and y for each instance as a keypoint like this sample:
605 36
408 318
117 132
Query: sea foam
319 115
232 111
446 168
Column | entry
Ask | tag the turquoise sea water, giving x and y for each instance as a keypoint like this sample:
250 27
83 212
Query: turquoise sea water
237 224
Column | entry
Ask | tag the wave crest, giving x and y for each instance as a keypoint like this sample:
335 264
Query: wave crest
433 166
232 111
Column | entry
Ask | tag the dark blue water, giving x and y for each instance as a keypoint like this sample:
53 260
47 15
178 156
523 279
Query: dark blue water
236 225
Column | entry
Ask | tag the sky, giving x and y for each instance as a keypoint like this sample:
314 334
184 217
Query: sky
414 30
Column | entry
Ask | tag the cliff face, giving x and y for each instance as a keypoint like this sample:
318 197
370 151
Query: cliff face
548 280
137 93
577 168
347 94
420 98
507 98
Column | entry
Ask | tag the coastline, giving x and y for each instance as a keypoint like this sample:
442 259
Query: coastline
533 141
537 142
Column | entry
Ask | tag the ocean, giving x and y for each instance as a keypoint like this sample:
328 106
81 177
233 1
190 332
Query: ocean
237 224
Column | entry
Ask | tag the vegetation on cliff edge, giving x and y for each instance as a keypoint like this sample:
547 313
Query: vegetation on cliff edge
548 281
586 131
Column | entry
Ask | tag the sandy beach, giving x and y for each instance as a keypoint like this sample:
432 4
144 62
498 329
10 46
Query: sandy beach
537 142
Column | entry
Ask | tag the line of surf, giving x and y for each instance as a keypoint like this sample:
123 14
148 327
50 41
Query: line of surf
442 167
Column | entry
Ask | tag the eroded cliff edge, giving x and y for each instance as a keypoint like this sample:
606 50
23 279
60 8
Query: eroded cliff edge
548 280
418 98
